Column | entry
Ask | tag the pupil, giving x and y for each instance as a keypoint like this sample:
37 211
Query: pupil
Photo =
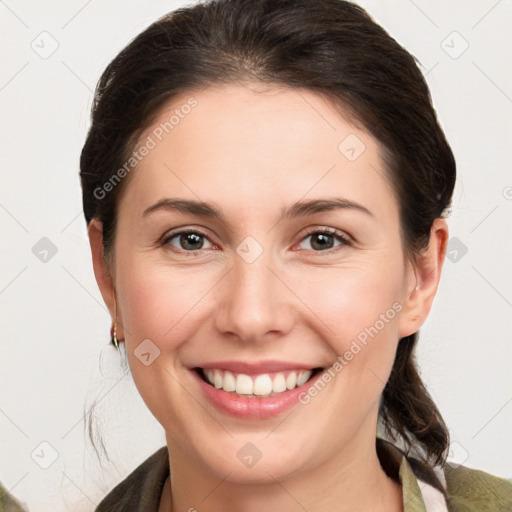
188 240
324 241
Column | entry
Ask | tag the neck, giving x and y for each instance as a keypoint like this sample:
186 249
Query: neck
351 479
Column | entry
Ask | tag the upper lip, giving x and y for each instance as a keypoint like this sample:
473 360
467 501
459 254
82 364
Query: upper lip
259 367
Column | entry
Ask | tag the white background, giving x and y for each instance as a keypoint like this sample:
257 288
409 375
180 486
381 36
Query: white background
55 327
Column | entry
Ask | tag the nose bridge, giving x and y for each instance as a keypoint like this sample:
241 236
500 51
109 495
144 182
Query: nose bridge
255 302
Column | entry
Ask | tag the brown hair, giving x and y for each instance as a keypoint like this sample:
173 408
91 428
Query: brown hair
331 47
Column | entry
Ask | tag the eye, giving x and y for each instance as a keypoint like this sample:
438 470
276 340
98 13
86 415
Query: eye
187 241
322 240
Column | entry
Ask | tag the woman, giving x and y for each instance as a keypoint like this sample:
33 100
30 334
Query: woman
265 185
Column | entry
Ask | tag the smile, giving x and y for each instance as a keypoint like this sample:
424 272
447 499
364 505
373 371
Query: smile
256 386
253 391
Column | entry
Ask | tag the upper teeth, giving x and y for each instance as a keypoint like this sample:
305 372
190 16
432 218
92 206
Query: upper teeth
259 385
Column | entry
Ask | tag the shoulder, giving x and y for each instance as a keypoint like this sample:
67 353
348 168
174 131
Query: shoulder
141 489
472 490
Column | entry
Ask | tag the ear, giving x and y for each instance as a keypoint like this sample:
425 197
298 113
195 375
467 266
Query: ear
102 273
423 280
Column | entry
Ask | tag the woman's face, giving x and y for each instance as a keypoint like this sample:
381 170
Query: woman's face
259 282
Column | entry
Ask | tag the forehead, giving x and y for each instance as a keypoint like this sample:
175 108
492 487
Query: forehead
253 144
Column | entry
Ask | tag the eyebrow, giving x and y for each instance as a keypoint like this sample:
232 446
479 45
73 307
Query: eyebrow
298 209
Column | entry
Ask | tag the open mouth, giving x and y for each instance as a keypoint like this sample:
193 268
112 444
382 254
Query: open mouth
256 386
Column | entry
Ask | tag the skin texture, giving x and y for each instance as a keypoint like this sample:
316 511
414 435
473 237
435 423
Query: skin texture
253 151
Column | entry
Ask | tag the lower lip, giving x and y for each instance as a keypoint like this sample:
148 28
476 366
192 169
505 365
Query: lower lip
253 408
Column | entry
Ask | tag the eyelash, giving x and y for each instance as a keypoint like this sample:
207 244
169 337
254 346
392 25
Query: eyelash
342 238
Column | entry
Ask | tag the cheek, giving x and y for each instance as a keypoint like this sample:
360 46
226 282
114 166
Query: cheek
357 311
352 300
158 302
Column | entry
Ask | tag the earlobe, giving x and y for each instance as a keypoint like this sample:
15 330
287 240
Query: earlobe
423 280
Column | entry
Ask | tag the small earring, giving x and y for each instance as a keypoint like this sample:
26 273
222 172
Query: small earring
113 335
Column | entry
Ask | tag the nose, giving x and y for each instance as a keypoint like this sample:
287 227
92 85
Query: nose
256 305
